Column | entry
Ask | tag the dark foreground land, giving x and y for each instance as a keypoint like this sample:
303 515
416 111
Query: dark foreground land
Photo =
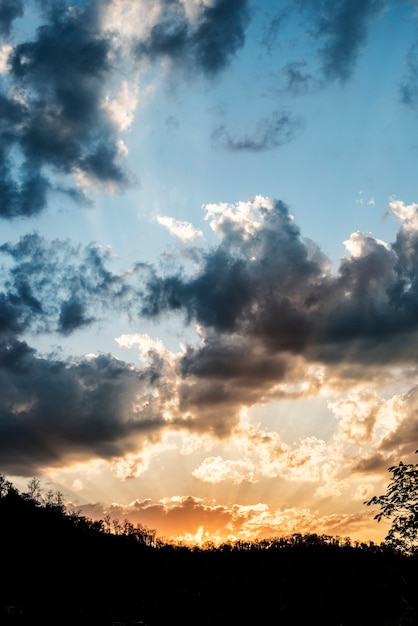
62 569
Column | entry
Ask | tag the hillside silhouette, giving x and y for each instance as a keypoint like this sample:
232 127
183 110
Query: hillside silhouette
60 568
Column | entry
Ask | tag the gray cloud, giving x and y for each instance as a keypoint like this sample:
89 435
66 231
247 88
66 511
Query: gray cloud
266 302
56 287
338 32
344 26
276 287
375 463
9 11
54 410
52 119
409 84
274 23
297 78
207 45
271 132
57 122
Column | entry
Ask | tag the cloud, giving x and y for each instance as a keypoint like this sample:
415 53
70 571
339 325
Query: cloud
205 39
344 26
183 230
62 106
271 132
52 114
193 520
409 84
264 455
56 411
214 470
272 30
55 286
375 463
267 286
384 428
9 11
331 33
358 415
273 321
298 80
403 436
122 107
361 200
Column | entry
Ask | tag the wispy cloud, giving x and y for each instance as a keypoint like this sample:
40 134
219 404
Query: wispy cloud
341 29
271 132
57 287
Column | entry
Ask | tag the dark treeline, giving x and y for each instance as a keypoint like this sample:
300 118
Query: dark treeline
61 568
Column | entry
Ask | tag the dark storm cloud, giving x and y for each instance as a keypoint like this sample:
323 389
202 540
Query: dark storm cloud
9 11
276 288
208 44
53 410
271 132
53 114
54 286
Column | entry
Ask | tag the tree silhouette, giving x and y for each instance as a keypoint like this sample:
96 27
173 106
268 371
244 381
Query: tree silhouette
400 504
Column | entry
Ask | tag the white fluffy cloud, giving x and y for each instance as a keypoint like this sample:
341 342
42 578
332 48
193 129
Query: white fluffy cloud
180 229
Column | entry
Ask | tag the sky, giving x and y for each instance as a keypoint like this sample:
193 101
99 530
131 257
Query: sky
209 260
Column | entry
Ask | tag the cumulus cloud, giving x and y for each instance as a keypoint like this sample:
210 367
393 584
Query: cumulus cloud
266 456
267 285
382 429
273 321
215 469
358 415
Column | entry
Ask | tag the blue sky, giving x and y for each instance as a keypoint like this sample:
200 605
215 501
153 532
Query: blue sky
209 248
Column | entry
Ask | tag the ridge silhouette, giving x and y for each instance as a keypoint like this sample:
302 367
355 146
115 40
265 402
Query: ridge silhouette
61 568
